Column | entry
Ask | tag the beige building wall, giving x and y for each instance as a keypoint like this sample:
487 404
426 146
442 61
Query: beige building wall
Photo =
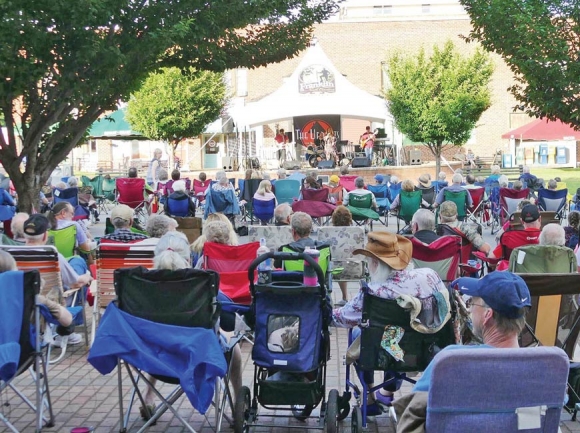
358 50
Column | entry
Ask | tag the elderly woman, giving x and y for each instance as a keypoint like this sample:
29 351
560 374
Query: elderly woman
178 202
222 183
494 176
158 225
407 186
218 232
172 252
341 217
197 246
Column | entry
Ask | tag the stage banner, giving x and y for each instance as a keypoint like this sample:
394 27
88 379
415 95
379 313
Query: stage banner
307 128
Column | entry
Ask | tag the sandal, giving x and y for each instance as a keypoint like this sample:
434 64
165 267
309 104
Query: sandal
147 412
385 400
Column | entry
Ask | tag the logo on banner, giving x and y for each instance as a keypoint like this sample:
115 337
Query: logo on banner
316 79
311 129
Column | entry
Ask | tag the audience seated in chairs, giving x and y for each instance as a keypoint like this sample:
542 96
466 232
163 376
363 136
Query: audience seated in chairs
173 253
178 202
423 226
360 191
17 229
450 225
282 214
86 199
494 176
122 220
74 271
197 246
61 217
532 222
264 202
391 275
221 197
158 225
426 187
498 306
456 186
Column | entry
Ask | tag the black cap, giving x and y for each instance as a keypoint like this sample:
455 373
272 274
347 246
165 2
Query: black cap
530 213
37 224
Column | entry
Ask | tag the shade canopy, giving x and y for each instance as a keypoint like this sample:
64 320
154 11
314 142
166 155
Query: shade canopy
112 126
315 88
543 130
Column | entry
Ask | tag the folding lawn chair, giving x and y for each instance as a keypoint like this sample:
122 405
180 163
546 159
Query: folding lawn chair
466 248
418 348
409 203
335 194
224 201
394 191
130 191
97 191
475 212
274 235
360 206
503 391
71 195
199 189
509 200
509 241
287 190
315 203
65 240
347 182
443 255
21 348
460 200
250 188
381 193
343 241
164 323
109 187
264 210
554 201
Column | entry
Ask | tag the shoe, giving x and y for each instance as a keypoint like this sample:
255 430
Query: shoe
385 400
340 303
145 415
374 409
73 339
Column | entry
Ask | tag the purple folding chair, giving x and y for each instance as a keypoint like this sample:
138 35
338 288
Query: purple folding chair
497 390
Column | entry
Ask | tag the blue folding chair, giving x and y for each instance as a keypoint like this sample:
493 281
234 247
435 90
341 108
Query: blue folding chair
20 344
71 195
554 201
381 193
287 190
264 210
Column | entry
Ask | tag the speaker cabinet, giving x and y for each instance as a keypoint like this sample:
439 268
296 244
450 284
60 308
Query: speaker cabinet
327 164
415 157
360 162
292 165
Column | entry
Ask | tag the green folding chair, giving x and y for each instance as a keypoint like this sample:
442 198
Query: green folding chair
460 199
360 208
409 203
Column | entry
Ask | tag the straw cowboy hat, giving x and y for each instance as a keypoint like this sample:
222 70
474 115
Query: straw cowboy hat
425 181
392 249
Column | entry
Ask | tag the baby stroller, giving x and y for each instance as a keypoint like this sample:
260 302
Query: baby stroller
291 348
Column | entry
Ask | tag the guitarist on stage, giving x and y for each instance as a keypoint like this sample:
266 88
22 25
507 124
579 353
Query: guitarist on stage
281 140
367 141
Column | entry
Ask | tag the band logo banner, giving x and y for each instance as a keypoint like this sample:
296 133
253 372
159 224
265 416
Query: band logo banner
307 128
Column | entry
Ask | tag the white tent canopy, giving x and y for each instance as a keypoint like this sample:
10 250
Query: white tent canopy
315 88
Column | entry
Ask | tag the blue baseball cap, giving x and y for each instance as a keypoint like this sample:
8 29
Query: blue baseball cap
503 291
379 178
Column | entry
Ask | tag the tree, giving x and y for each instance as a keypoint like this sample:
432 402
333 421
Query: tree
540 42
438 100
173 105
63 64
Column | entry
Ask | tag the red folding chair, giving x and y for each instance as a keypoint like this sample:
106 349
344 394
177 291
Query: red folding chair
130 191
509 241
475 212
232 263
347 182
508 202
315 203
442 255
199 189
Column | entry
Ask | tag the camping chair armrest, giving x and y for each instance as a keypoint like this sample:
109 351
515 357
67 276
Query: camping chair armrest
481 256
468 269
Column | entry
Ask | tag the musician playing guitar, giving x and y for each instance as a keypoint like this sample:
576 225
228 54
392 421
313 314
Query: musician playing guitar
367 141
281 140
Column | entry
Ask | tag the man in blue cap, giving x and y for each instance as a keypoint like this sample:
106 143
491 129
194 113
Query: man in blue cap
498 305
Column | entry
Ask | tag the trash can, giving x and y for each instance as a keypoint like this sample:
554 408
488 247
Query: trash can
561 155
507 160
543 154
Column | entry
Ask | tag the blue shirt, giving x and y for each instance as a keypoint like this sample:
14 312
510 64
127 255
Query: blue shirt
425 379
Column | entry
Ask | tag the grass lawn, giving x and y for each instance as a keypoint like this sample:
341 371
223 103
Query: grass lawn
569 175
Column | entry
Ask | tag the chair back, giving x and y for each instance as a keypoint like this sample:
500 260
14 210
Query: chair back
184 297
409 202
497 404
428 194
442 255
109 186
199 187
477 195
264 210
232 263
287 190
315 194
546 216
533 259
224 201
394 191
361 201
509 199
65 240
70 195
250 188
343 241
298 265
419 348
347 182
130 191
335 194
554 201
381 193
178 207
274 235
517 238
460 200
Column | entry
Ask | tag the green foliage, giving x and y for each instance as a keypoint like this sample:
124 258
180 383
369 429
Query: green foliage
539 40
172 105
437 100
64 63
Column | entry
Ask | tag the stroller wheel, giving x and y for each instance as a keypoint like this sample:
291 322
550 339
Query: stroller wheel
356 422
331 419
242 411
343 406
302 412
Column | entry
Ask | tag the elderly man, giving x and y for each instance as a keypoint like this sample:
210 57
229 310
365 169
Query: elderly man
450 225
74 272
553 234
423 226
282 214
122 220
532 222
455 186
178 202
359 190
17 228
158 225
526 177
391 274
281 173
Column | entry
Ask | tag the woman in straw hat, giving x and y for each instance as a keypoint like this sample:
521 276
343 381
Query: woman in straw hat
391 275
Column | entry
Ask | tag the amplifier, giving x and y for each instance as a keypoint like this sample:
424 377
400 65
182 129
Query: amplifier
327 164
292 165
360 162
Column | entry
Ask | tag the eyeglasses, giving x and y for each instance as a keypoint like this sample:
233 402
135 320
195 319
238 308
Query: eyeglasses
469 303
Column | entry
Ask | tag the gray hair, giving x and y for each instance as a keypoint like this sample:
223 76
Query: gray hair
457 178
394 179
359 182
525 169
266 176
218 232
495 169
425 219
179 185
301 223
72 182
172 252
158 225
552 184
282 212
503 181
344 170
7 262
281 173
442 175
553 234
163 174
221 177
17 225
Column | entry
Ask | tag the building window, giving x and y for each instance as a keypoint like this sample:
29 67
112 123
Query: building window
426 8
382 10
93 145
